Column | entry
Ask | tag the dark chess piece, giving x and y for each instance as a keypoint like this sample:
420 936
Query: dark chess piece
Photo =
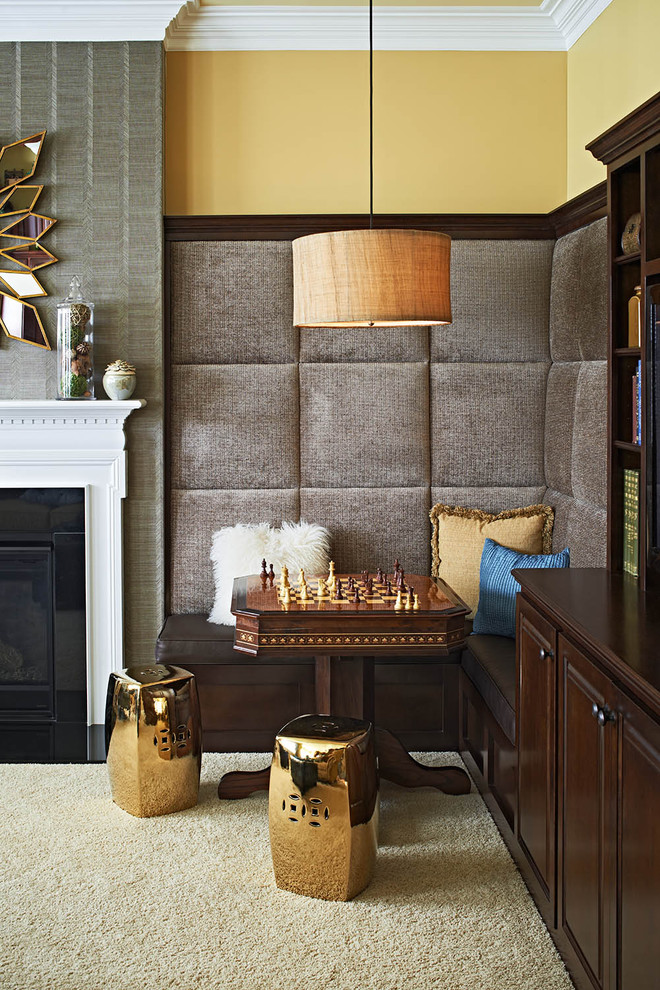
369 587
350 584
264 572
339 595
379 576
356 596
396 566
389 587
271 576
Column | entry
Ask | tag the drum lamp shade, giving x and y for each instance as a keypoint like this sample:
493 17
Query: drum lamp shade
371 278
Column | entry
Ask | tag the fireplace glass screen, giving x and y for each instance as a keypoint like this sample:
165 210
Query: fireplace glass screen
26 620
43 706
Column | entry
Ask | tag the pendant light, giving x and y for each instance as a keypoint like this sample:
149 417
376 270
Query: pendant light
371 277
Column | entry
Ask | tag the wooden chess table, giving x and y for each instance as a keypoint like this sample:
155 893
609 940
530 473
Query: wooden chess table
345 637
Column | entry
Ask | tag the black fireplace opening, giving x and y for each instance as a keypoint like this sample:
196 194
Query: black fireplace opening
43 667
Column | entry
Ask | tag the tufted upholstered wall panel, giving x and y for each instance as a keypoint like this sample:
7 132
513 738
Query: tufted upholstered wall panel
576 401
364 431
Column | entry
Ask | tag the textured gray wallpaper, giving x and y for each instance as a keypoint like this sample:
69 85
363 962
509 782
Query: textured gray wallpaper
101 166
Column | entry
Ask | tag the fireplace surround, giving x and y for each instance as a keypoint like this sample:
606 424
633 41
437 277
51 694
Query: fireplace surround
46 444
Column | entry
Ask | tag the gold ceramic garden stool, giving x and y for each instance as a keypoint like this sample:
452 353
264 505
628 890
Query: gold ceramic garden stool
323 806
153 738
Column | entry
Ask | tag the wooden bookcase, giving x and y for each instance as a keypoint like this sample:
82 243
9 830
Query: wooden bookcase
631 151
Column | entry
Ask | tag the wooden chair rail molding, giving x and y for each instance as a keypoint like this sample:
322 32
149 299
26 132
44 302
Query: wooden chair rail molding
589 206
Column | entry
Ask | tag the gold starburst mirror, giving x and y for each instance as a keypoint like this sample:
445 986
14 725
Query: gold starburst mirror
21 230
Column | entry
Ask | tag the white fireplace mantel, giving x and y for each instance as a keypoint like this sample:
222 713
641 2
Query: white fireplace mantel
79 444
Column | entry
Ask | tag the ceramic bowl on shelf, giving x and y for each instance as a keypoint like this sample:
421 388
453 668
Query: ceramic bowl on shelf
119 380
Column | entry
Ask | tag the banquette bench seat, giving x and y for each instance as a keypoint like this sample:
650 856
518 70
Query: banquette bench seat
230 682
489 661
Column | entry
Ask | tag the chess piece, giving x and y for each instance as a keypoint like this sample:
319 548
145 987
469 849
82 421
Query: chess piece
304 591
369 586
379 576
332 580
416 603
389 588
409 602
301 577
322 592
398 605
286 597
339 594
284 576
396 567
264 572
350 584
356 596
271 575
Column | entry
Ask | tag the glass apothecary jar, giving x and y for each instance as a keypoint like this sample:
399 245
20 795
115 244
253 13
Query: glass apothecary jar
75 345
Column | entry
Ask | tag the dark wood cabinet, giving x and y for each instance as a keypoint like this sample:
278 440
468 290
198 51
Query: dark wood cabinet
638 847
588 809
536 750
587 775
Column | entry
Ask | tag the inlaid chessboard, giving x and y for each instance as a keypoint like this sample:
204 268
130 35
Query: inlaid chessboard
264 596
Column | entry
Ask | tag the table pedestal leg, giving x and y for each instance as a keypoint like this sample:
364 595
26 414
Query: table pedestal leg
242 783
396 764
345 686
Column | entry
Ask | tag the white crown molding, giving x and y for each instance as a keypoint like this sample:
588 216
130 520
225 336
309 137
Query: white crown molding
86 20
553 26
573 17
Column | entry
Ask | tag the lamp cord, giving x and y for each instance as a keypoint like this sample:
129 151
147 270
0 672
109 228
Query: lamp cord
371 114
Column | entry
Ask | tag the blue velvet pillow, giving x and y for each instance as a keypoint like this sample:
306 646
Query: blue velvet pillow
496 612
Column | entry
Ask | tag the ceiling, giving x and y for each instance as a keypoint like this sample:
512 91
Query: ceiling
213 25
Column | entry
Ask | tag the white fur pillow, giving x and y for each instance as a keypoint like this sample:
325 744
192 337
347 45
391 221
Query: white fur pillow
239 550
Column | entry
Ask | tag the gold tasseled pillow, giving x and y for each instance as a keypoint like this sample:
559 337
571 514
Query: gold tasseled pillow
459 535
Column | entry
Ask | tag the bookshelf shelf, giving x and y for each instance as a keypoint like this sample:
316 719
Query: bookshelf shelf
631 151
633 448
627 352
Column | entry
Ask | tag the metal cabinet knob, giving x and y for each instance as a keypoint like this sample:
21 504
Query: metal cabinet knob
603 715
545 654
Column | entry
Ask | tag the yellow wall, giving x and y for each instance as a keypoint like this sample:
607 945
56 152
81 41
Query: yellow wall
612 69
287 132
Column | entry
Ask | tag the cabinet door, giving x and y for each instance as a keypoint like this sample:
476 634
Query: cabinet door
587 774
638 849
536 749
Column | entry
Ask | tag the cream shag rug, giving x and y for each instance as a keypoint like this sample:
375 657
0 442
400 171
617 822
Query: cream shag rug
93 899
